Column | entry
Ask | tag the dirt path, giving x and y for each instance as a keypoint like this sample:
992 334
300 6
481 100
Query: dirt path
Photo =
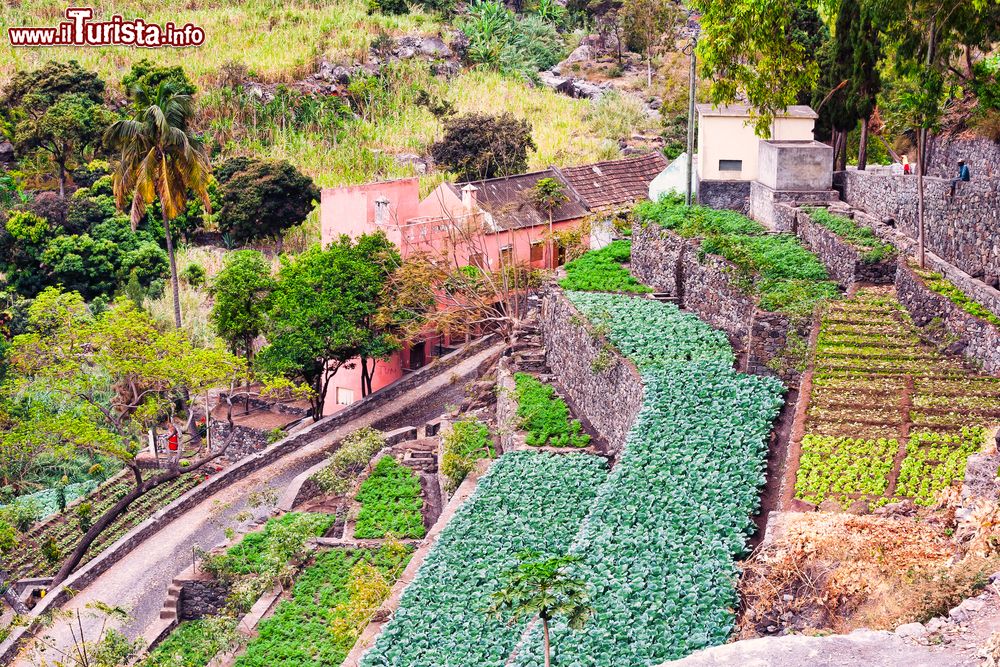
139 581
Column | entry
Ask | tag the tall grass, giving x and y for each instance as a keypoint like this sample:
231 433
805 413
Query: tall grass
278 40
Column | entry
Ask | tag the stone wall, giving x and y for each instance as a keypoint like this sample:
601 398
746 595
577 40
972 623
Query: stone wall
246 440
843 262
714 289
945 322
201 596
105 560
982 156
765 200
611 398
964 230
733 195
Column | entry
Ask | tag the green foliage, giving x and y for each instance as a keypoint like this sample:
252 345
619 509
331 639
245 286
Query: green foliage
193 274
872 248
938 283
308 629
266 551
935 460
501 40
390 503
528 501
602 271
322 308
784 276
747 51
263 198
242 298
663 575
839 466
351 457
145 75
193 643
650 333
43 86
468 441
545 416
478 146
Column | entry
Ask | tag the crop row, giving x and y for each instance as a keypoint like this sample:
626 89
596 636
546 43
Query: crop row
391 503
528 500
659 545
866 397
602 271
328 608
545 416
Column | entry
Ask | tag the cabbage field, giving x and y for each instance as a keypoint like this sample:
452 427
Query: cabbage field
528 500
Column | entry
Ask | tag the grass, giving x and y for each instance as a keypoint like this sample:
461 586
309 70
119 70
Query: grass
872 248
251 554
784 276
602 271
278 41
390 503
938 283
545 416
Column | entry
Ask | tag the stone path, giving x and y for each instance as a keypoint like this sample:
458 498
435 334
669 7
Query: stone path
139 581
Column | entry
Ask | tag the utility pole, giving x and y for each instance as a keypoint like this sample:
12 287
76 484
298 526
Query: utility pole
692 80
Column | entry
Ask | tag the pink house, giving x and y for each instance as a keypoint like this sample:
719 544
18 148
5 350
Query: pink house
481 223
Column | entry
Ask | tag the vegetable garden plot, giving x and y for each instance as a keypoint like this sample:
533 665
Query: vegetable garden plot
876 384
329 607
390 503
545 416
602 270
528 500
658 547
64 531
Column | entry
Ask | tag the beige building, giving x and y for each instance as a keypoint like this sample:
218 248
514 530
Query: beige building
728 149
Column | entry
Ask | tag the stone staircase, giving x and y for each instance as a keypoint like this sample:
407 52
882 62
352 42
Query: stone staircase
171 605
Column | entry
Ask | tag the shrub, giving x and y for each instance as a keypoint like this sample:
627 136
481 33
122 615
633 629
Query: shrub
468 441
546 416
354 453
477 146
501 40
872 248
390 503
266 551
602 271
193 274
193 643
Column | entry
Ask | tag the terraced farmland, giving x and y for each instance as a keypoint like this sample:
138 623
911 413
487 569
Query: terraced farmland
889 417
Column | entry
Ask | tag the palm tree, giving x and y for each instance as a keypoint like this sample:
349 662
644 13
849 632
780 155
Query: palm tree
160 159
548 195
543 588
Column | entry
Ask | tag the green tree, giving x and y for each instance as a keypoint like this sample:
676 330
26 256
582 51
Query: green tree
42 87
548 194
118 376
749 51
160 158
263 198
648 23
61 131
477 146
242 297
23 239
543 588
145 75
321 311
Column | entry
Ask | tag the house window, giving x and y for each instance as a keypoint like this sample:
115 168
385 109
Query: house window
506 254
537 251
345 396
730 165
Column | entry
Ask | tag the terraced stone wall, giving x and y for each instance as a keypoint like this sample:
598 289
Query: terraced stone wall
842 260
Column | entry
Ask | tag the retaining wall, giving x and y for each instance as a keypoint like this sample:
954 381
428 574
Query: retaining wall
843 261
714 289
611 398
101 563
964 230
982 156
733 195
947 323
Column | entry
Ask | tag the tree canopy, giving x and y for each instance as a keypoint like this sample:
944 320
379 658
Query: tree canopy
262 198
478 146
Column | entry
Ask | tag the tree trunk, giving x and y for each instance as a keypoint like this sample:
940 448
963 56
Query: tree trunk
99 526
62 181
9 596
649 68
545 642
863 146
174 284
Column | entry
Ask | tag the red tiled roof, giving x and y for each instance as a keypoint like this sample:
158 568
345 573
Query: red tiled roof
615 183
508 201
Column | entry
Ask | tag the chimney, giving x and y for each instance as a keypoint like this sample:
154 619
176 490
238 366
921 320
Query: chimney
381 211
469 197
